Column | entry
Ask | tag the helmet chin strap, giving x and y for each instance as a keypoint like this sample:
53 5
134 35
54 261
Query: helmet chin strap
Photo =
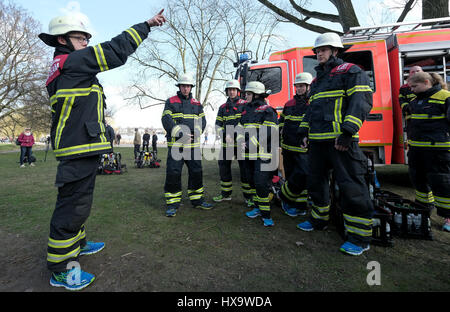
69 43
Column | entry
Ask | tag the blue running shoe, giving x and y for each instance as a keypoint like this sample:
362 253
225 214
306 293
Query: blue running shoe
352 249
91 248
253 213
74 279
171 212
446 226
268 222
302 213
306 226
290 211
204 206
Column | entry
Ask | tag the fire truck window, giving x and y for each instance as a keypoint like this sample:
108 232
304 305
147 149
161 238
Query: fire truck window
309 63
270 77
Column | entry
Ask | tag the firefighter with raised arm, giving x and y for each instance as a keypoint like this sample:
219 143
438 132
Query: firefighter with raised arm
293 193
184 121
227 119
405 94
78 135
340 100
258 128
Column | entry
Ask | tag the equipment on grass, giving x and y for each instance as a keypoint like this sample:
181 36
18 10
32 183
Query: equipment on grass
111 163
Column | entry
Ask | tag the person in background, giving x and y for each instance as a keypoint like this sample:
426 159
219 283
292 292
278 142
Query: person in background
118 138
110 135
429 143
137 143
26 140
145 141
155 143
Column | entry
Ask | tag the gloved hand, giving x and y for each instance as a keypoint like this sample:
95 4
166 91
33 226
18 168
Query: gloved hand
302 135
343 141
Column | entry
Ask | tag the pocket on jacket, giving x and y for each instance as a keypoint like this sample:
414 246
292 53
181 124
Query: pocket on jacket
93 128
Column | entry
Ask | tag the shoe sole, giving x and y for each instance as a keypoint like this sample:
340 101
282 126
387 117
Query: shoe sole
312 229
71 288
221 200
91 252
354 253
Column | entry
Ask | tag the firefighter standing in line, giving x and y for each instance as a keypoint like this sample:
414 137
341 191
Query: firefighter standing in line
429 143
293 193
256 126
78 135
340 100
406 95
227 119
184 121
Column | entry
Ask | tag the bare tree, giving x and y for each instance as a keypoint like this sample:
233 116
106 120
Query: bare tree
202 37
23 69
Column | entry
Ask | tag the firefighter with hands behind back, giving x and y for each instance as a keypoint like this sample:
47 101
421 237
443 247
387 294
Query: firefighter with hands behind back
227 119
258 128
429 143
293 193
184 121
340 100
78 135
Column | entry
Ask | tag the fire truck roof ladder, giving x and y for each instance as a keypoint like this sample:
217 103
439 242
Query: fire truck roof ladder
383 31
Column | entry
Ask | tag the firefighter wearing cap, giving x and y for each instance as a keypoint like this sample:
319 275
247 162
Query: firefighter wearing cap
340 100
258 128
184 121
293 193
227 119
78 134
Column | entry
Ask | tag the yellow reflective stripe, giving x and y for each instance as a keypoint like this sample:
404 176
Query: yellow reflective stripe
100 55
294 118
327 94
137 39
54 258
65 113
270 124
219 118
436 101
323 136
354 120
65 243
426 116
251 126
358 231
200 190
173 194
319 217
294 148
63 93
358 88
136 34
100 118
82 149
429 144
363 221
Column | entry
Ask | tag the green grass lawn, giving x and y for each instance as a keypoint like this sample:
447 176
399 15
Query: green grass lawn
217 250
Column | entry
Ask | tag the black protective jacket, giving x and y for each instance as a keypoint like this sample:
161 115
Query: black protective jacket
76 96
183 112
289 122
229 115
340 100
429 123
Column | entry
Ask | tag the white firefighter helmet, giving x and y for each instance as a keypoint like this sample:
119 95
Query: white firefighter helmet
233 84
62 25
257 88
328 39
185 79
305 77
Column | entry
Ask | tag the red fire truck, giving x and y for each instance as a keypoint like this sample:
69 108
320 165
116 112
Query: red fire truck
386 54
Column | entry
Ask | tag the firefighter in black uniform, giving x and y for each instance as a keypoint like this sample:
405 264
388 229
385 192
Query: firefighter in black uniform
258 129
78 135
227 119
429 143
184 121
405 94
340 100
293 193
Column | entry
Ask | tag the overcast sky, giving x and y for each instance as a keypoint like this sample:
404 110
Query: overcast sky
108 18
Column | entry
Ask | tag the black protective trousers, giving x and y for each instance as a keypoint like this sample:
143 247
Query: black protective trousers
259 180
349 170
429 171
294 190
176 159
226 177
75 180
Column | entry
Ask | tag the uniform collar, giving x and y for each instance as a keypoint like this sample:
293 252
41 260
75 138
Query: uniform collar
182 97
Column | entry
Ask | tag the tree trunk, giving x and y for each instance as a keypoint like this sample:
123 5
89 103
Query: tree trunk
346 13
434 9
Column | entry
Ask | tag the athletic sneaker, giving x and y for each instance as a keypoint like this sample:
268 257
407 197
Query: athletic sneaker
91 248
352 249
290 211
221 198
306 226
74 279
302 213
204 206
22 166
253 213
268 222
171 212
